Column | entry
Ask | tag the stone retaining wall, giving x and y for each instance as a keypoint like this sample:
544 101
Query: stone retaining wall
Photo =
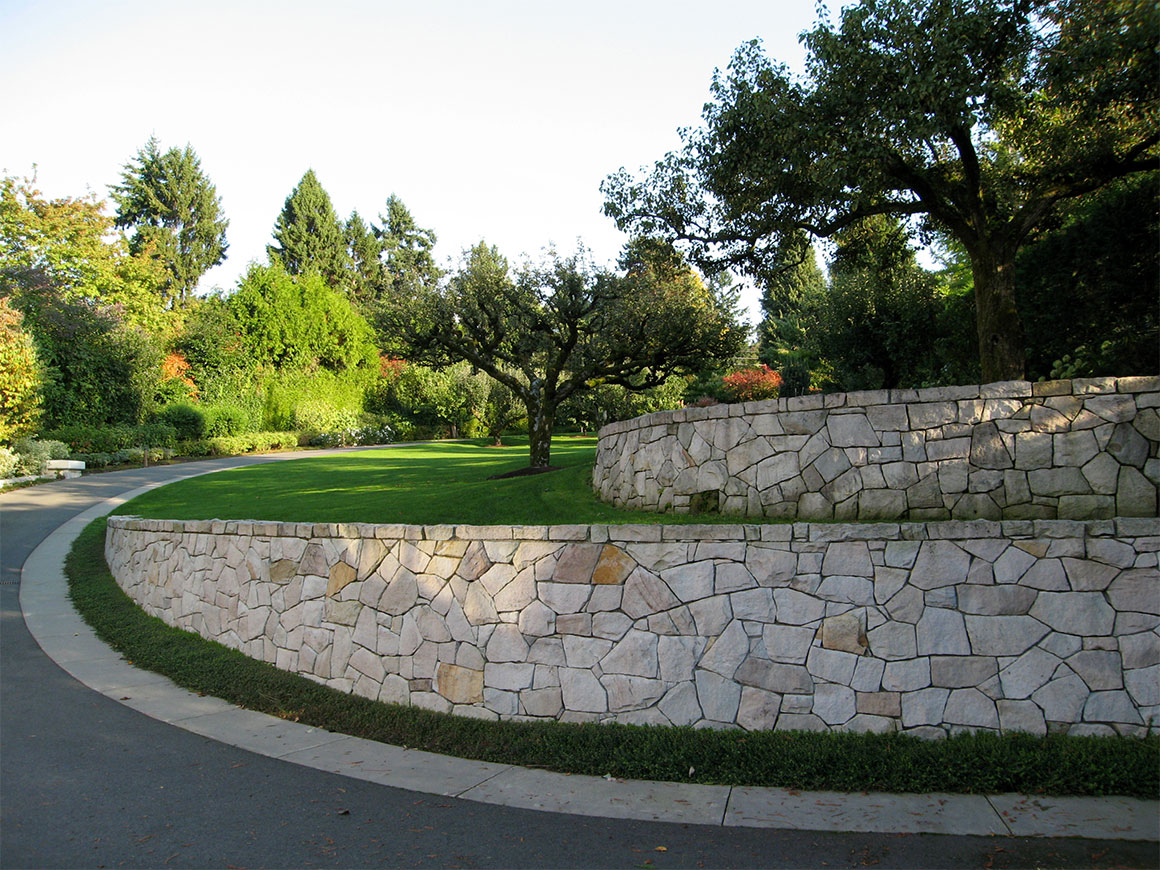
927 628
1078 449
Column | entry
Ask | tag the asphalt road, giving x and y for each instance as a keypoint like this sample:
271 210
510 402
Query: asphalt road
87 782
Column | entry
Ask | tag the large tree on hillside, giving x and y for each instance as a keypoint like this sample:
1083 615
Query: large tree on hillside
563 327
309 236
175 215
977 118
408 259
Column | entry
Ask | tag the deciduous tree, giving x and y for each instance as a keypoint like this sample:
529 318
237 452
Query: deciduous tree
565 326
975 117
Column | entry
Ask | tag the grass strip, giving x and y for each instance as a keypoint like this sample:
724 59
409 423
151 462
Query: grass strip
423 484
968 763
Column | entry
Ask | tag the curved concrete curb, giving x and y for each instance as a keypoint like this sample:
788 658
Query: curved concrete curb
66 639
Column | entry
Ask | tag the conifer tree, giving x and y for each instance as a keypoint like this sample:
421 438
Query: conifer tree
365 249
175 213
309 236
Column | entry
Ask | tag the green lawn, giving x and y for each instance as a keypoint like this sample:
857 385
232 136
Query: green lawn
414 483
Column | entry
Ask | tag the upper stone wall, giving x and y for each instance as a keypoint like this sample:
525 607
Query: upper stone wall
1073 449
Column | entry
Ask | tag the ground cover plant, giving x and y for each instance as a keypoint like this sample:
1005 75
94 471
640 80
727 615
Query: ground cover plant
414 483
979 763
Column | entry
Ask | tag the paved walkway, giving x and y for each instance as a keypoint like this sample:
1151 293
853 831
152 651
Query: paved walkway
68 641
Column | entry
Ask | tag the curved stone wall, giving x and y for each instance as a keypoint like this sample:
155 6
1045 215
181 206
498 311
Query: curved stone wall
1078 449
925 628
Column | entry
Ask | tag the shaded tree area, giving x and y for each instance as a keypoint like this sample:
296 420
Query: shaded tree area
978 119
561 327
175 216
1090 286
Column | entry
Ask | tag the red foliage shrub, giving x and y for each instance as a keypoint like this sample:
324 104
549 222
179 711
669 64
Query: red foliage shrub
751 385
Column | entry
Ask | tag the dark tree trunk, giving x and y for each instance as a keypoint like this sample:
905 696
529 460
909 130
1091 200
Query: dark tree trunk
1002 356
540 422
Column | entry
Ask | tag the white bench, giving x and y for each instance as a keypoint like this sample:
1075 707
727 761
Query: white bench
64 467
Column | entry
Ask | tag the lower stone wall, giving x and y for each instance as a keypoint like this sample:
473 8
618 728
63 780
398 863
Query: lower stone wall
927 628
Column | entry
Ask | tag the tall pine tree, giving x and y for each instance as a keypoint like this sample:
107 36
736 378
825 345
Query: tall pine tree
789 301
408 261
310 239
175 213
366 266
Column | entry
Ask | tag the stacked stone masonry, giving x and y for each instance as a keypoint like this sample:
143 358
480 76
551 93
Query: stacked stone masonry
1075 449
927 628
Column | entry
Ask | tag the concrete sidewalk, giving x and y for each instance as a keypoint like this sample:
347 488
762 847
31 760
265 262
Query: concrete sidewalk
70 643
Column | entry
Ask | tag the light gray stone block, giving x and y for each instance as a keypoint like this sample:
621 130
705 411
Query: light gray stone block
1081 613
940 563
718 697
1003 635
834 704
758 709
942 632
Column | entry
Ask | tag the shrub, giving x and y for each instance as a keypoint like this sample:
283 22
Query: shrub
155 435
187 421
8 463
82 438
225 419
194 447
751 385
94 460
32 455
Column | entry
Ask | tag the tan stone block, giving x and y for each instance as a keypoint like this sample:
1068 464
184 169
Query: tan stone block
844 632
577 562
880 703
341 575
283 571
458 684
613 566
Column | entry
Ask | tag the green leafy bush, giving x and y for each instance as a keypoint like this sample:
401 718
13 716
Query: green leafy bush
187 421
194 447
82 438
32 455
8 463
94 460
225 419
155 435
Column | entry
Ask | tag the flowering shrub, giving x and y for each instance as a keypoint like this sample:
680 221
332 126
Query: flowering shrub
751 385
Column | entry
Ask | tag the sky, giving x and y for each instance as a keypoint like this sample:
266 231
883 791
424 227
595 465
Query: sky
492 120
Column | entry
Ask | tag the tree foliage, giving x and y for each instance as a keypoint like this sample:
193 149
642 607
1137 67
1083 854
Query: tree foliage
560 327
978 118
66 247
175 213
21 377
1090 284
790 298
287 322
309 236
366 266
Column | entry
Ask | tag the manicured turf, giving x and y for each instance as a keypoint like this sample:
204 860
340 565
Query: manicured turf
420 483
840 762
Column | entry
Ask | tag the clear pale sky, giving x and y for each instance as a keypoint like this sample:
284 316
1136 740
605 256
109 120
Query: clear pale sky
491 119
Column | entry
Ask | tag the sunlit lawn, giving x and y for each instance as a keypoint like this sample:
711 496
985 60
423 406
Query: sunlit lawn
418 483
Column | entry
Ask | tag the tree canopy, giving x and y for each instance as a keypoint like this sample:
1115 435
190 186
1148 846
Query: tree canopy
309 236
65 248
175 213
977 118
562 326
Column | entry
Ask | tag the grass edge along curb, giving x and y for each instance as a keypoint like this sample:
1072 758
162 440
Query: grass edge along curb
968 763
